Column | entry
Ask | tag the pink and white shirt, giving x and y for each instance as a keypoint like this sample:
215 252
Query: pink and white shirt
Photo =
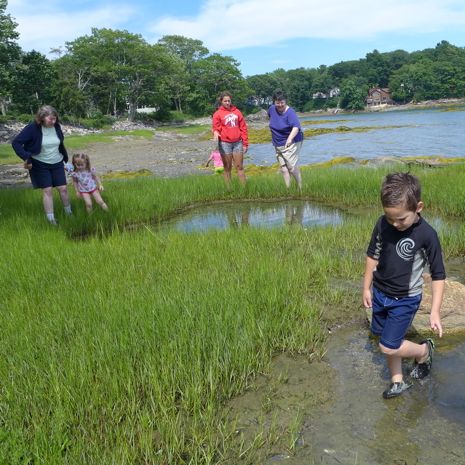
86 180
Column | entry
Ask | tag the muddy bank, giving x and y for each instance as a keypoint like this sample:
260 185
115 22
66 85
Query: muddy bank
165 155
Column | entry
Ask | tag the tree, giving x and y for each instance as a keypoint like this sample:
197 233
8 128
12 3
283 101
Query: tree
187 50
184 52
352 95
32 84
9 55
113 71
263 87
299 87
212 75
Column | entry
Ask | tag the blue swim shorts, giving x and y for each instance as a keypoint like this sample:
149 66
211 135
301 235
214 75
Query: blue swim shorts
392 317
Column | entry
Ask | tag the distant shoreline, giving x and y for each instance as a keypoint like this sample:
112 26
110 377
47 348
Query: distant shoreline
386 107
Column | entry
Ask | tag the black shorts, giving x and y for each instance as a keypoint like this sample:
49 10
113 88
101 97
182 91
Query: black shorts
47 175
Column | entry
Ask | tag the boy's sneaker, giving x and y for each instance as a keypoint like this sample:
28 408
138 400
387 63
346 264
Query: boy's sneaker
396 389
421 370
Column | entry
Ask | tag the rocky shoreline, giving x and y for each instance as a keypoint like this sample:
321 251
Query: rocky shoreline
167 154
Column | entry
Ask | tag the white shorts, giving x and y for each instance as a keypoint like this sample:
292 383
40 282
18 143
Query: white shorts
288 156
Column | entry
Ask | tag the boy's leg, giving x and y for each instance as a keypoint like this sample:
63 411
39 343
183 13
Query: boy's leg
407 349
99 200
391 319
87 201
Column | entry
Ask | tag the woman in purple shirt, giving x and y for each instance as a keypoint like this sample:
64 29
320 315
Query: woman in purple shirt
287 137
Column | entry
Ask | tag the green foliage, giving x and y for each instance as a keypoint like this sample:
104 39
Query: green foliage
352 95
29 91
213 75
115 72
9 55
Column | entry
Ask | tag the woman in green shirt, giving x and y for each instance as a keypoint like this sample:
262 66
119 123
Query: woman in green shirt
40 145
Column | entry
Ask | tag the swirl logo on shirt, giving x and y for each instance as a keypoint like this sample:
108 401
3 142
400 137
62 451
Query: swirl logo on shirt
404 249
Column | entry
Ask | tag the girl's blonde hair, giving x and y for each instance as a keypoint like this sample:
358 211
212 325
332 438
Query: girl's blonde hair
81 156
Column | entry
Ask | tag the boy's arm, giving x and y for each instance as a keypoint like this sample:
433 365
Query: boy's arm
370 265
436 302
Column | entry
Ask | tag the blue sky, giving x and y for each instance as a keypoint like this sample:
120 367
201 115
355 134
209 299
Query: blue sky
262 35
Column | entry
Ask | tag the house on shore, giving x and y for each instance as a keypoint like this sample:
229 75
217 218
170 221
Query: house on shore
334 92
379 96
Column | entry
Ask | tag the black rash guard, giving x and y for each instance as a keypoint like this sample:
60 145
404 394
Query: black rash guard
402 257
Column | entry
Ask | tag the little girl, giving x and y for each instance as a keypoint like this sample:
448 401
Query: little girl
86 182
217 161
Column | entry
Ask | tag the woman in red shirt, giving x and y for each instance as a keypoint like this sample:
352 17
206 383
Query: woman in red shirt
230 131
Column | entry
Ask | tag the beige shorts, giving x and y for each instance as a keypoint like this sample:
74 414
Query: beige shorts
288 156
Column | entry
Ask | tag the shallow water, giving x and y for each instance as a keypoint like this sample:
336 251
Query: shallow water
254 214
432 132
425 426
337 415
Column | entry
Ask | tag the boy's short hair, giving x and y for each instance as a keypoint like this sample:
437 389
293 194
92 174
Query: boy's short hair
401 189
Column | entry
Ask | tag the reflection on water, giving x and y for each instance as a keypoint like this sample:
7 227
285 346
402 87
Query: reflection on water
256 214
431 132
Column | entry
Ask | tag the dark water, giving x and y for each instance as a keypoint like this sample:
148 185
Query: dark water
432 132
255 214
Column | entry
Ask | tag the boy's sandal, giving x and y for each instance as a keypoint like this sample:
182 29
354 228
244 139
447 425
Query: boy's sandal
396 389
422 370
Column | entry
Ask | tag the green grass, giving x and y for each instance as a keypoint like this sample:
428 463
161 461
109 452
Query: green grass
191 129
120 344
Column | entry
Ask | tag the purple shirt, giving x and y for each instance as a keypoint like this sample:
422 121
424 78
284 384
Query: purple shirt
281 126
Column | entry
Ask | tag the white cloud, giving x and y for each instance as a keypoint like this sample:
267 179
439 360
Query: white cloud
234 24
50 26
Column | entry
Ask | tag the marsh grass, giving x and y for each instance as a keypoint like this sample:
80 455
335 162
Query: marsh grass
122 346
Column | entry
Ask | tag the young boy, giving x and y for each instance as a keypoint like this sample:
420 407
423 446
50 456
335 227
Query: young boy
401 244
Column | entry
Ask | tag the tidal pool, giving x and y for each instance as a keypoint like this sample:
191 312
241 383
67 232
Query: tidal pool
424 426
254 214
331 412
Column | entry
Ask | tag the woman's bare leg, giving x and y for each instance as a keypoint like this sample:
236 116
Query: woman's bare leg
238 158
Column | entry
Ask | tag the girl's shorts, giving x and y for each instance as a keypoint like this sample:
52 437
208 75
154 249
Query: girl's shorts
47 175
227 148
392 317
88 192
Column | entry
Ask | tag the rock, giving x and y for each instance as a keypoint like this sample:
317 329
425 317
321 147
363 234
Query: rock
262 115
452 309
